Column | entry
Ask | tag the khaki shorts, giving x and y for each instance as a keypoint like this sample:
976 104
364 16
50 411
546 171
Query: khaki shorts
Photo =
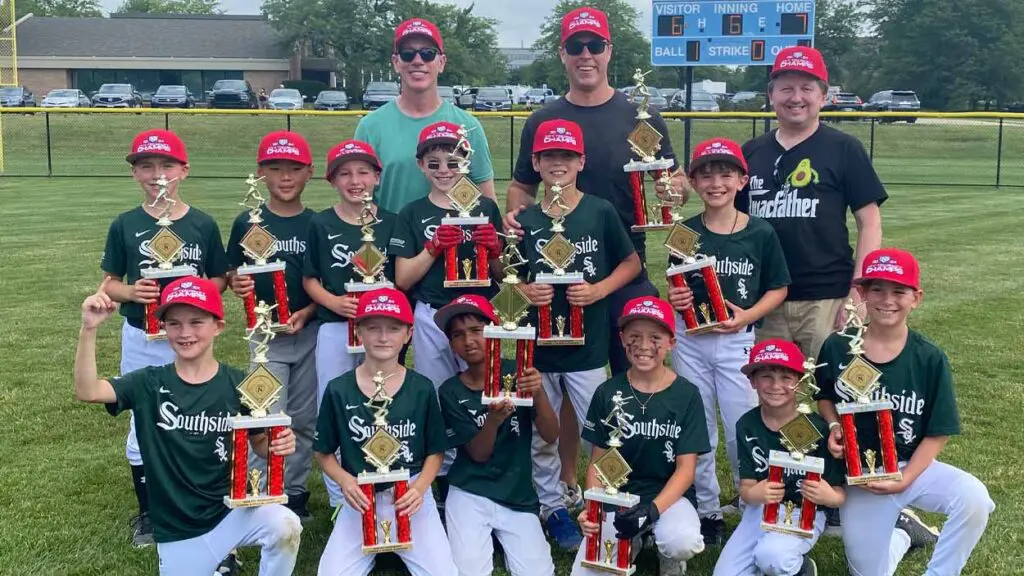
806 322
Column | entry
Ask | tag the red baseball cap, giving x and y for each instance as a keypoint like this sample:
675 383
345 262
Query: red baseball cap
775 352
892 265
384 303
351 150
419 27
586 19
192 291
284 145
558 135
649 308
157 142
467 304
436 134
801 59
717 150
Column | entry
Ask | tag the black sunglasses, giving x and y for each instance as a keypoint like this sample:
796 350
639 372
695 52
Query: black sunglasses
452 165
777 177
575 47
409 54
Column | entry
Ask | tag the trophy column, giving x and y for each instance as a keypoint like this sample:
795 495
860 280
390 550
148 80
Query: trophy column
511 305
368 263
682 244
645 142
165 247
558 254
259 245
465 197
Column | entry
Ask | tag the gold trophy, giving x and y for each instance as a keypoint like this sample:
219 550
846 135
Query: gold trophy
465 197
369 262
165 249
259 245
381 450
259 391
645 142
682 243
511 306
613 471
558 253
860 381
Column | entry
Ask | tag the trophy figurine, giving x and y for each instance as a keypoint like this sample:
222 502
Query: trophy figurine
511 306
259 245
613 472
558 254
465 197
682 244
164 248
860 380
381 450
645 142
369 262
259 391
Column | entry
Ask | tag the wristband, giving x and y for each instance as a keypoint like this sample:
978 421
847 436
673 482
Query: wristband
832 425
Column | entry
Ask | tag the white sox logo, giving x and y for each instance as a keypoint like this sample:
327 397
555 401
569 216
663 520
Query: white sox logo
342 254
741 288
669 452
221 451
906 431
760 460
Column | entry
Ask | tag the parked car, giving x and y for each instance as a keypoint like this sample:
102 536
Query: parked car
378 94
173 96
468 98
747 101
657 101
894 101
536 96
668 93
842 102
285 99
447 93
233 93
331 100
66 98
117 96
702 102
492 100
16 97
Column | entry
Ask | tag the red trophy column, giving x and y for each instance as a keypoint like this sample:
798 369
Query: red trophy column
451 267
850 445
623 554
689 314
544 321
239 462
595 513
483 266
636 182
492 378
715 293
152 323
275 467
281 296
808 509
250 309
771 511
404 532
575 321
369 517
524 360
888 439
353 340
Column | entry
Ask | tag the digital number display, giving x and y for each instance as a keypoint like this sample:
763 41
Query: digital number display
757 51
671 26
793 24
732 24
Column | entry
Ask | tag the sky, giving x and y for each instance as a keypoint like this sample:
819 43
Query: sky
521 19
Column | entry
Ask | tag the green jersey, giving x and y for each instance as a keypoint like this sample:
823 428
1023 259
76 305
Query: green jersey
414 418
662 426
127 250
748 263
507 477
183 431
918 381
291 233
333 244
394 136
755 441
601 243
416 225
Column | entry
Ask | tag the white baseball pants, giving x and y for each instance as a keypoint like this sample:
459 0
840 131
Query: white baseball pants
752 551
332 360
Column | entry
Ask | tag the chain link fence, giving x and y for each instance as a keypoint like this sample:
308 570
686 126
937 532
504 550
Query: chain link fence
931 149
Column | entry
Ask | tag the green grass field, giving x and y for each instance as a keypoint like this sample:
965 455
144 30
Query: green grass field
67 493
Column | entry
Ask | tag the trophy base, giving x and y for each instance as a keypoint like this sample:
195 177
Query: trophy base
277 328
251 269
608 568
561 341
566 278
382 477
520 333
694 266
391 547
702 329
656 227
253 501
247 422
637 166
367 286
866 478
465 220
860 407
783 529
165 273
623 499
807 464
467 283
488 400
356 349
161 335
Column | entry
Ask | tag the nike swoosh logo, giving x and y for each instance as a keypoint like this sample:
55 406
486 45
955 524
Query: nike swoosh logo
463 401
534 232
138 234
843 366
425 220
164 390
332 236
750 439
348 407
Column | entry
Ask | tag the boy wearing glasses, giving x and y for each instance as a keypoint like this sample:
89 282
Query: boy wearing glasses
418 59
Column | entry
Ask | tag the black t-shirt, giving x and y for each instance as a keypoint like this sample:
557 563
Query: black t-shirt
605 129
805 199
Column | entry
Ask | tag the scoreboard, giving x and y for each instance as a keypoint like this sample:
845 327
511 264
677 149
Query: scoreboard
724 32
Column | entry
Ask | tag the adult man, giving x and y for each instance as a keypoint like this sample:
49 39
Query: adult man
803 178
606 117
393 129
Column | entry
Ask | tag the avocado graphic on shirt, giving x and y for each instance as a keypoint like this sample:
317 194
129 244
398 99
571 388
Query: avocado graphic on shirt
803 174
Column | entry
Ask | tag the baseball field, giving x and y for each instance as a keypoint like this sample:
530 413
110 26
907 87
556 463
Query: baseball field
67 495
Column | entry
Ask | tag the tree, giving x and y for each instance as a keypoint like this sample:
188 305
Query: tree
835 34
168 7
65 8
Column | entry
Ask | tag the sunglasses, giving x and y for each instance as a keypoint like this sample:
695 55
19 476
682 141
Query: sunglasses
575 47
777 177
426 54
435 166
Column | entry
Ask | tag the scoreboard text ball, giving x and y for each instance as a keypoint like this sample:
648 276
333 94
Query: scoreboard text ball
722 32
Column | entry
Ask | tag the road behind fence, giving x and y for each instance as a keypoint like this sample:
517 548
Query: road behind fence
938 149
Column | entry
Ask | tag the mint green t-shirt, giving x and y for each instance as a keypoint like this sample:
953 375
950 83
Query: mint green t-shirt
394 137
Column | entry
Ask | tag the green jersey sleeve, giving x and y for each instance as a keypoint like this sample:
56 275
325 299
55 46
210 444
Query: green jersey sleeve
115 260
694 437
774 272
944 419
745 452
460 427
311 259
436 439
593 431
235 255
832 352
481 169
328 437
403 242
128 389
217 260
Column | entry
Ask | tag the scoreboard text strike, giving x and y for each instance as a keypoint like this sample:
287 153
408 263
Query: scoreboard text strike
719 32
